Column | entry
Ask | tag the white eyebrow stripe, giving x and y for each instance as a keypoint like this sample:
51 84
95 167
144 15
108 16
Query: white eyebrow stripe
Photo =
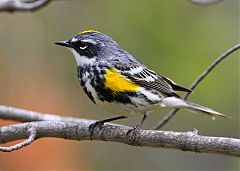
74 39
89 41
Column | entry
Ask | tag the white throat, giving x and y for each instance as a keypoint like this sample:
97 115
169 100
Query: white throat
82 60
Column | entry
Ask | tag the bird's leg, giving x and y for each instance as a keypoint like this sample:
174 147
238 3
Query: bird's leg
134 131
139 126
101 122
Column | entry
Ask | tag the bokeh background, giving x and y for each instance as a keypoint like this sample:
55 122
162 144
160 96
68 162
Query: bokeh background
173 37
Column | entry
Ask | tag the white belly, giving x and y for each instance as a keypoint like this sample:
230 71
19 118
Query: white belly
126 109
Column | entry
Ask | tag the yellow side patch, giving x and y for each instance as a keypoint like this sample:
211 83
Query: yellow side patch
117 83
89 31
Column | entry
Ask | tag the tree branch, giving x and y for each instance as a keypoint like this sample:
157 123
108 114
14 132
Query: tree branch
20 5
186 141
164 120
32 135
78 129
205 2
16 114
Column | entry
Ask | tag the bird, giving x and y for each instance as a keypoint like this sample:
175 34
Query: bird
118 82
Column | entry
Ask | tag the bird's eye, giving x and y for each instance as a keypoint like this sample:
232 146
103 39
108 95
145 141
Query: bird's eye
83 46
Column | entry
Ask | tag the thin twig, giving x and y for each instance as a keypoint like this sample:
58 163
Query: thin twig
20 5
205 2
185 141
196 82
32 135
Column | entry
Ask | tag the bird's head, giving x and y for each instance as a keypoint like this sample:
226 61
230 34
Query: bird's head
91 46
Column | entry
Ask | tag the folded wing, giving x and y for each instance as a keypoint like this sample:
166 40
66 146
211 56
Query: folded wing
150 80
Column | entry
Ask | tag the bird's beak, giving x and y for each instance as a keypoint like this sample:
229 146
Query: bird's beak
63 43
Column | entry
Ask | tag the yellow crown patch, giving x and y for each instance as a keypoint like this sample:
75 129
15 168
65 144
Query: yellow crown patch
89 31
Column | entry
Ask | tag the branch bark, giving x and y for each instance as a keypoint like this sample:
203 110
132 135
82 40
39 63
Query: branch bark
205 2
186 141
21 5
32 135
16 114
78 129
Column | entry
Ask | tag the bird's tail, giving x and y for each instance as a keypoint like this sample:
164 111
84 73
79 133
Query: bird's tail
175 102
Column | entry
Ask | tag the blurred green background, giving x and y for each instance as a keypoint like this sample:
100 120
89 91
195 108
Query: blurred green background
173 37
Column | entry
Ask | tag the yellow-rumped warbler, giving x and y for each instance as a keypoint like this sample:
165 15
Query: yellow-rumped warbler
115 80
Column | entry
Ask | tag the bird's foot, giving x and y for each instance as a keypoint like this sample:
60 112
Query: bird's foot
91 128
132 134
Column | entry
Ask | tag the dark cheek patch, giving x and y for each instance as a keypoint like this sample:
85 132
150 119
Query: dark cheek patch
90 52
